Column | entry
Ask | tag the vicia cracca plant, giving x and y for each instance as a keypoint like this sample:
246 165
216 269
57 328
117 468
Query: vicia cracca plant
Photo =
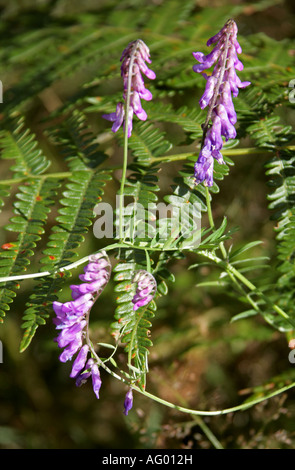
72 320
73 317
139 268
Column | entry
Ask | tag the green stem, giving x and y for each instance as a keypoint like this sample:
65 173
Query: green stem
211 221
242 407
125 161
208 254
225 152
61 175
241 277
83 260
167 159
208 433
251 286
209 210
148 261
243 292
100 363
183 409
232 270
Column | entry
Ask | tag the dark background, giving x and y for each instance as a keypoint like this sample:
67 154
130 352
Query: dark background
199 359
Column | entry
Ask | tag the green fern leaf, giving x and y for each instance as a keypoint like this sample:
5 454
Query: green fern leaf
19 144
132 328
82 193
31 209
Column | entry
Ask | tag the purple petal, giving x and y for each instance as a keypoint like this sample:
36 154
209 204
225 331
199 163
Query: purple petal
238 47
71 349
227 129
67 335
215 38
143 302
83 376
110 117
137 108
209 91
204 168
116 117
96 380
80 360
144 69
128 403
96 266
214 133
206 61
218 156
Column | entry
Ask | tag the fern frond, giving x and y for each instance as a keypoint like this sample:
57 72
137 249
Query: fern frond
281 171
132 328
147 143
19 144
76 142
82 193
268 133
189 119
84 189
31 209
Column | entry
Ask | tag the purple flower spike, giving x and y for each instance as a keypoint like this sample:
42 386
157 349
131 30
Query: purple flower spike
146 289
133 65
220 86
72 319
128 403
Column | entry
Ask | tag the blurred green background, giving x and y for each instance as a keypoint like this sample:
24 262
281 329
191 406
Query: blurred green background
199 359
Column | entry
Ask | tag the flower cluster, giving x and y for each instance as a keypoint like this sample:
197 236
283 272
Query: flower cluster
72 320
133 63
219 86
146 289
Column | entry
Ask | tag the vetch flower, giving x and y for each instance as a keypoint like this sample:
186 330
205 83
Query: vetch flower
146 289
128 403
133 59
96 380
221 85
72 320
91 370
83 375
117 118
80 361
